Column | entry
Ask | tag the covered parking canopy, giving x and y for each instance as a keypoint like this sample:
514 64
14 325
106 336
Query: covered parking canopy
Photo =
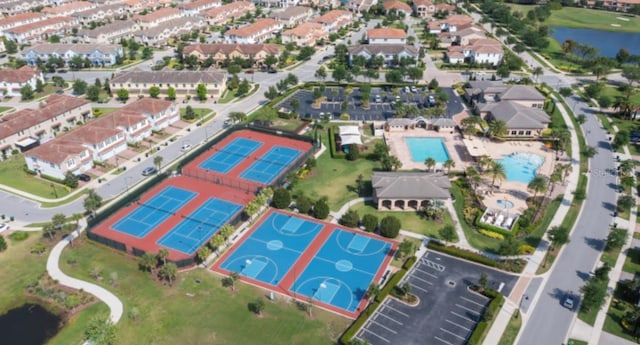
475 147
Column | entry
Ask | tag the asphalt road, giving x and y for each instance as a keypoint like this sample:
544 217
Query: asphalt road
580 256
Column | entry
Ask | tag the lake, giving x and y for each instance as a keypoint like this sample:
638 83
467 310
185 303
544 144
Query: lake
609 42
29 324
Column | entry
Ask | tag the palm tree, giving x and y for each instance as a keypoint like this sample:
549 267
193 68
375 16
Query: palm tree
49 228
473 176
590 151
448 164
395 163
484 161
373 291
163 254
538 185
233 277
498 128
566 171
430 163
556 176
169 272
157 161
538 71
497 172
563 137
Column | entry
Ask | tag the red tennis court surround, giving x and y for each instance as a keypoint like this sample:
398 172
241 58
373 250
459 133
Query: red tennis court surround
286 284
232 177
148 243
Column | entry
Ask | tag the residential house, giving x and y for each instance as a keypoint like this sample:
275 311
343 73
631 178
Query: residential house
452 23
391 53
334 20
109 33
256 32
459 38
409 191
360 6
292 16
614 5
222 53
26 128
101 14
101 139
157 17
159 35
424 8
445 8
183 82
305 35
18 20
12 80
326 4
41 30
228 13
519 106
276 3
386 36
481 51
397 7
12 8
68 9
97 54
194 8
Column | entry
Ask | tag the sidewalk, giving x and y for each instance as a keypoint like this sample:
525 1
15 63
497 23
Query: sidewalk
113 302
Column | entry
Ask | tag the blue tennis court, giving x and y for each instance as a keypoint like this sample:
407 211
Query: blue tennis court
343 269
154 211
230 155
200 225
266 168
272 248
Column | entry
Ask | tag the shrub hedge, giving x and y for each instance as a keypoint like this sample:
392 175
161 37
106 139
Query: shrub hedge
461 253
477 337
492 234
358 323
335 153
409 262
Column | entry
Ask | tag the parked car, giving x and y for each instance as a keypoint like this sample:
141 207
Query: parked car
413 89
149 171
185 147
406 89
4 227
84 177
569 303
432 100
378 99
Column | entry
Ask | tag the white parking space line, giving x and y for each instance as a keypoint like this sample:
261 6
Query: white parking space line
427 273
474 302
388 317
376 335
383 326
452 333
457 325
413 276
442 340
419 288
467 309
394 309
463 317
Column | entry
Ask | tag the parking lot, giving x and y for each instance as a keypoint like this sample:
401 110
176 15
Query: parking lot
381 103
447 312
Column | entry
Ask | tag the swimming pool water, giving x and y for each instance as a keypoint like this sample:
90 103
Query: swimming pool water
521 167
422 148
504 203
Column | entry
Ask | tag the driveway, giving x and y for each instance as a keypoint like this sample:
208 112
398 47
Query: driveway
447 312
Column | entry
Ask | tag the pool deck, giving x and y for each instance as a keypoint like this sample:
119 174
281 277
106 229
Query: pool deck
452 141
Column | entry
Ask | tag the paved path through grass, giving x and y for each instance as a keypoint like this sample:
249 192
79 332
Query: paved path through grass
111 300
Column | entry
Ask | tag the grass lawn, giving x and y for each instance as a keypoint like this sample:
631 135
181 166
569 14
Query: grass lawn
476 240
228 96
613 92
553 53
617 309
335 178
610 257
606 123
5 109
397 261
73 331
411 221
212 315
103 111
513 328
588 317
12 175
22 267
48 90
199 112
632 262
287 124
578 342
592 19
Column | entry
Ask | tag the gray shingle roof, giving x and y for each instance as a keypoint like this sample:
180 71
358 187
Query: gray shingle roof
385 49
517 116
522 93
418 185
173 77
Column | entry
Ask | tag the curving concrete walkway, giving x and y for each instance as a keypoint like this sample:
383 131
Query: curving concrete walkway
113 302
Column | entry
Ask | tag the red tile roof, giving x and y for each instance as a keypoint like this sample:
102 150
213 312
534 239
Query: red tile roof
21 75
386 33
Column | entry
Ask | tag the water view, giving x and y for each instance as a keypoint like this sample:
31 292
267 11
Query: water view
609 42
29 324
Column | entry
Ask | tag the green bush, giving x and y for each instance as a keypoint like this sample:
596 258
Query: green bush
19 236
393 282
409 262
461 253
358 323
390 227
281 198
482 328
335 152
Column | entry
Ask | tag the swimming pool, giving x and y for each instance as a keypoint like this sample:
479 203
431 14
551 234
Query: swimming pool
422 148
504 203
521 167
